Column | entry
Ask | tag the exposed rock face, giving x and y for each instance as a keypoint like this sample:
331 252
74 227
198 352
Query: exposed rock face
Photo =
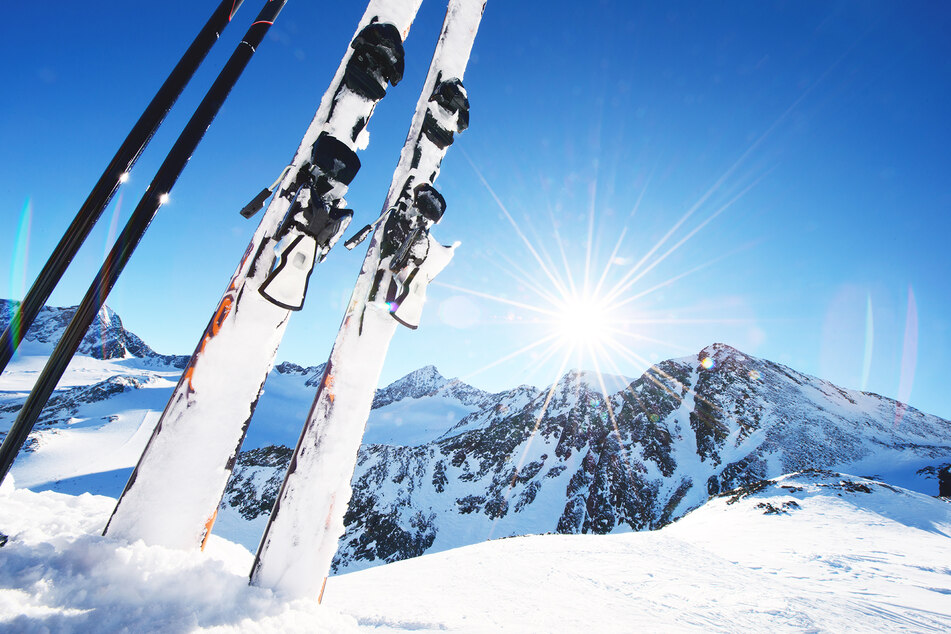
254 493
571 460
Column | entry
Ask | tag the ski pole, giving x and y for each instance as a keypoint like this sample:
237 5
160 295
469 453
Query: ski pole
155 196
116 173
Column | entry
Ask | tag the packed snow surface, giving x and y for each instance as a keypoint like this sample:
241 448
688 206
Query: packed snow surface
815 551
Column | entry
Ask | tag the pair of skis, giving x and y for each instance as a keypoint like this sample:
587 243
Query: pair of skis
306 522
154 197
174 492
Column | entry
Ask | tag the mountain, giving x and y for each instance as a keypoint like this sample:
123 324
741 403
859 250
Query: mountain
445 464
104 409
812 551
105 339
636 460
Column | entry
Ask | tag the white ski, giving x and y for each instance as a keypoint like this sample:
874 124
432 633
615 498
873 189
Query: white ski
173 495
299 543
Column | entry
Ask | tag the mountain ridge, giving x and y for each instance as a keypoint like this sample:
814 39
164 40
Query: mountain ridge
687 430
106 338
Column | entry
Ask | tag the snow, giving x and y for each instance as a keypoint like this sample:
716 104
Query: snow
414 421
593 381
103 439
58 574
844 560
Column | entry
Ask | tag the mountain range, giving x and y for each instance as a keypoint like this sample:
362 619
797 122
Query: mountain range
445 464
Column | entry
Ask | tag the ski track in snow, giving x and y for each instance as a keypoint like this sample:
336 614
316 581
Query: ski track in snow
840 559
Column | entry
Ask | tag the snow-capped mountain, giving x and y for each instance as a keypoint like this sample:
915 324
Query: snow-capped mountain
105 339
445 464
686 430
421 382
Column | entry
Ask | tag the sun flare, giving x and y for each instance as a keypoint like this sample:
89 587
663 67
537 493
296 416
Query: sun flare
582 321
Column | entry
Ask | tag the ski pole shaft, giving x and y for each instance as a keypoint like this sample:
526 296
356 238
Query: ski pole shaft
145 211
109 182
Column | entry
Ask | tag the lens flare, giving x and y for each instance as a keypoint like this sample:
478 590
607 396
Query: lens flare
869 341
21 252
707 363
587 314
909 357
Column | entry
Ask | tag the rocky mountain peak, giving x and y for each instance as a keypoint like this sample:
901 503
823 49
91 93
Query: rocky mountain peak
105 339
416 384
721 355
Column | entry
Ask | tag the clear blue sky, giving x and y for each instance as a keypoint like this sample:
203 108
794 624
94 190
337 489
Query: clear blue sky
818 130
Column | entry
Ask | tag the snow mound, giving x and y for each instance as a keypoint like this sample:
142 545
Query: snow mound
58 574
812 551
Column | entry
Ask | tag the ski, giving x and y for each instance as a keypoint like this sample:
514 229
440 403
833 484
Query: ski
173 494
114 175
155 196
300 540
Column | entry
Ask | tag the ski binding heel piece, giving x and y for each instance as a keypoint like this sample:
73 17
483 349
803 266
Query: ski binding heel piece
335 159
447 114
286 286
407 308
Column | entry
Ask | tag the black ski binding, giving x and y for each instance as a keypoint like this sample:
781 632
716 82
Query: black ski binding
377 60
449 113
452 96
428 202
332 161
335 159
430 206
358 237
256 204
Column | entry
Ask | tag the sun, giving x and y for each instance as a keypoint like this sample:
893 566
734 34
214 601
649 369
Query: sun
582 321
584 301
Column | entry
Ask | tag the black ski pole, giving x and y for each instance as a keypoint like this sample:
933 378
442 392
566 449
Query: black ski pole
108 183
145 211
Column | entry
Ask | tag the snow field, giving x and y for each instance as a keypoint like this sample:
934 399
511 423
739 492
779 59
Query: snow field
855 562
852 555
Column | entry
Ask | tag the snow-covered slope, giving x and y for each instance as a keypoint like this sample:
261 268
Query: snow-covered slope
815 551
839 553
100 417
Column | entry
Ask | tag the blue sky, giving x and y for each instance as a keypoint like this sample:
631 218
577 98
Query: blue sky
778 171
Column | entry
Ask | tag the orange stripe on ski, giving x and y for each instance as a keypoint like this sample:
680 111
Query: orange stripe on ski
208 525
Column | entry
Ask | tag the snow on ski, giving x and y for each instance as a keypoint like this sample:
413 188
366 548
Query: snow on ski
172 497
299 543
